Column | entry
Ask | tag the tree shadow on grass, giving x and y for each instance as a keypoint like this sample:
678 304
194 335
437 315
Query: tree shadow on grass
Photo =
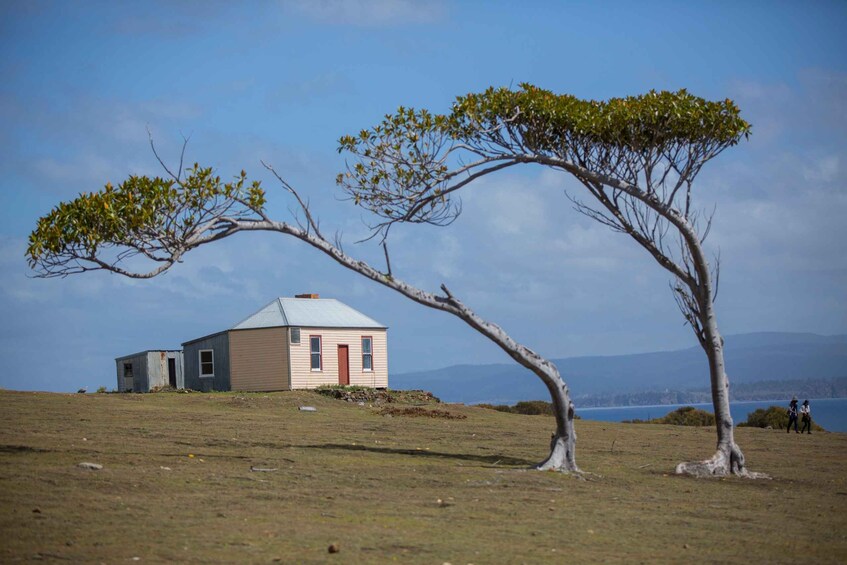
491 460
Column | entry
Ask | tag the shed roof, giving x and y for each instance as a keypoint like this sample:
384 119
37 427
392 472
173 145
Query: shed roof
146 351
307 312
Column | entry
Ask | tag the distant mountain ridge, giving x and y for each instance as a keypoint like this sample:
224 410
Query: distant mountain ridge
762 356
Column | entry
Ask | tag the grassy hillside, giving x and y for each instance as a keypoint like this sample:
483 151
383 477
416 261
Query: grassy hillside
177 484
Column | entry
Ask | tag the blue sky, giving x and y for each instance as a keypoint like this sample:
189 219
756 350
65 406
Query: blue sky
282 81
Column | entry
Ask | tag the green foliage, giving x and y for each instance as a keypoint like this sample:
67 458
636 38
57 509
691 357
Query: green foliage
775 417
526 407
152 216
684 416
407 166
497 407
554 123
102 390
399 158
533 408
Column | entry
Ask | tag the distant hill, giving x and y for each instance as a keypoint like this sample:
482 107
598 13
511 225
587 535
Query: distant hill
764 356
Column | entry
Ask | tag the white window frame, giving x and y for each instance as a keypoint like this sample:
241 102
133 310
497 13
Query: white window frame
291 336
320 353
200 361
369 354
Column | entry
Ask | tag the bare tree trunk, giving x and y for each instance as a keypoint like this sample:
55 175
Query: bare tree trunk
728 457
563 442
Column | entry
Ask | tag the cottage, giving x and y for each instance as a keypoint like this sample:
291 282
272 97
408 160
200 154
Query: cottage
291 343
141 372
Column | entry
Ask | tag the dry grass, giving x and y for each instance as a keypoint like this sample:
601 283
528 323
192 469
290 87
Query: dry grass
372 484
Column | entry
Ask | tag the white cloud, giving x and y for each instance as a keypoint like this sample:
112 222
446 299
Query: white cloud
822 169
89 169
813 109
512 210
370 13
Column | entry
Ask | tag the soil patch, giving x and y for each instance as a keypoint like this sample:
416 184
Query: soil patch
420 412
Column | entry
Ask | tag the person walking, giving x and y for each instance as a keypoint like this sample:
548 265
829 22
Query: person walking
806 416
792 416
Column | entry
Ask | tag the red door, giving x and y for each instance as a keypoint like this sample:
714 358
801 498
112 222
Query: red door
343 365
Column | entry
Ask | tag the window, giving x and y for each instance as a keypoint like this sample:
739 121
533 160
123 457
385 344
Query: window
207 363
127 370
367 354
315 351
295 335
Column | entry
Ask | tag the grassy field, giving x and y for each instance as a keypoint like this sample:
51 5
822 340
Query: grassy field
177 485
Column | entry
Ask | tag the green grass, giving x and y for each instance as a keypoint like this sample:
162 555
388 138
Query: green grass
371 483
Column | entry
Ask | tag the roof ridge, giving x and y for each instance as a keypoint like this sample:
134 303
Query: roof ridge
282 311
253 314
317 312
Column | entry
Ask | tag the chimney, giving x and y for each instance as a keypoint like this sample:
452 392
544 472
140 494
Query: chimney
307 296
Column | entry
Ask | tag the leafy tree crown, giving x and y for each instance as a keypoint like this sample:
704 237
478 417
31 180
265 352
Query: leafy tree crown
406 167
143 216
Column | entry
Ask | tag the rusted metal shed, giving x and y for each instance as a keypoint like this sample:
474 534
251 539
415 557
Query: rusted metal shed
146 370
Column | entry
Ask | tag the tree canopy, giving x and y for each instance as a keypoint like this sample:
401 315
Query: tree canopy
156 218
408 165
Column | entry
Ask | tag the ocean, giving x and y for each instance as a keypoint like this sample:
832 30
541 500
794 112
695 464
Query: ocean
831 413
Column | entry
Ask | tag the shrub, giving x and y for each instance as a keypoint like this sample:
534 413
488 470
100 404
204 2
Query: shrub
498 407
685 416
688 416
533 408
775 417
525 407
102 390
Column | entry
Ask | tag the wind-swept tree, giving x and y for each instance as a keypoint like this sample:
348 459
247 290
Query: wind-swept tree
636 157
144 226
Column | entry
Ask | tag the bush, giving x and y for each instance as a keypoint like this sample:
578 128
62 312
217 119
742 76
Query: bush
498 407
533 408
525 407
688 416
685 416
775 417
102 390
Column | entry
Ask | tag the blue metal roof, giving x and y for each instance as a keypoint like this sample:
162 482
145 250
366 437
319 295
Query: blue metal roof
307 312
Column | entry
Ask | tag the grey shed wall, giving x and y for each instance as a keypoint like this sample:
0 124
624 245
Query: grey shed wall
219 343
149 369
157 368
139 372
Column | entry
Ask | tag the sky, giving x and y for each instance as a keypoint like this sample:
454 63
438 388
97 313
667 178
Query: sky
84 82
